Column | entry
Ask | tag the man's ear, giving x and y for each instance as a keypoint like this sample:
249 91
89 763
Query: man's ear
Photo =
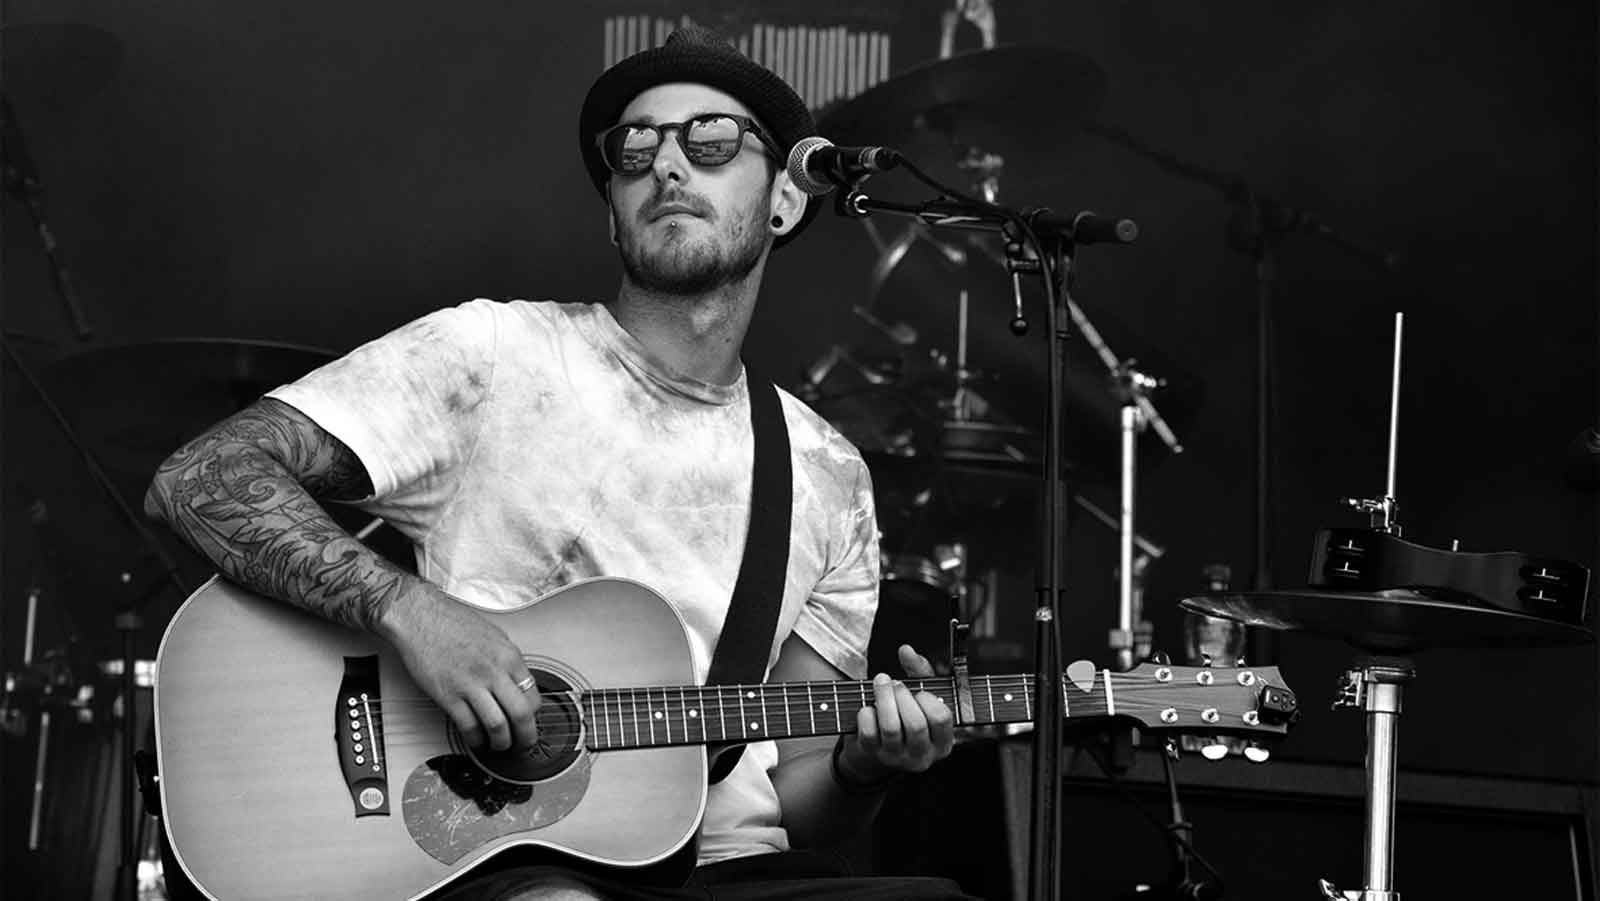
788 204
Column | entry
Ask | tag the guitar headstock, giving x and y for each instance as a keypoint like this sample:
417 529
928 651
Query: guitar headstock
1249 701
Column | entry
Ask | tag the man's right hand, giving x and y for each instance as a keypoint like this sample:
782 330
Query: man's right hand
465 663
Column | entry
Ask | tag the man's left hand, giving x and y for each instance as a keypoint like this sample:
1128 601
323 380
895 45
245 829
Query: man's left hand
903 731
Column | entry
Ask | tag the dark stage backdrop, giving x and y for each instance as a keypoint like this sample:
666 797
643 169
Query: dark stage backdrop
318 173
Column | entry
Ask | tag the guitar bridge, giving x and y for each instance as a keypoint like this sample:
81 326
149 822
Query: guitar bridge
358 735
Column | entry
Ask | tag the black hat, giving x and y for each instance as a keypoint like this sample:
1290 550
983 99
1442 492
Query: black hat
700 55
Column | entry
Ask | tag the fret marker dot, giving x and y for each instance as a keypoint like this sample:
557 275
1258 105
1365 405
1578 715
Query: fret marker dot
1007 696
693 714
658 714
751 696
823 706
755 727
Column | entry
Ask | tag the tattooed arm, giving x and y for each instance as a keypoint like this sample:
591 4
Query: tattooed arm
244 495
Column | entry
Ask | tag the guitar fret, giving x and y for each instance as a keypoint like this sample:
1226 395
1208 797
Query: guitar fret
761 698
649 715
1027 699
614 740
837 723
811 708
633 706
988 690
722 715
683 711
788 728
742 732
665 715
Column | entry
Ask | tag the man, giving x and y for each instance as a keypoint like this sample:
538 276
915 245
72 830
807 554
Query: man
523 446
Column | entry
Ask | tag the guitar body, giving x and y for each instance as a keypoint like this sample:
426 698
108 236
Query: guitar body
258 797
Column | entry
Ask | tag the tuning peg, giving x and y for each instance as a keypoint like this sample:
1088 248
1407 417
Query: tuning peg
1205 659
1240 662
1256 753
1160 658
1214 750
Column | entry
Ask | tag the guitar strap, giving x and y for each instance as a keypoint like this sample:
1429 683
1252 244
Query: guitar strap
747 633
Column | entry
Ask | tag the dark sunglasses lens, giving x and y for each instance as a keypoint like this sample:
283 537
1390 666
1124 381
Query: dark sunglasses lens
712 140
630 149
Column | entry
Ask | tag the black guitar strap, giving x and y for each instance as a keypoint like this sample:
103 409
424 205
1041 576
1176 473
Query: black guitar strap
747 633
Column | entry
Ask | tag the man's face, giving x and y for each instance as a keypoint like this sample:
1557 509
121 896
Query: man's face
686 229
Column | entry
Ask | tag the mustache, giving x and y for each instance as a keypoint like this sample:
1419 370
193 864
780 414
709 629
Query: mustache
661 199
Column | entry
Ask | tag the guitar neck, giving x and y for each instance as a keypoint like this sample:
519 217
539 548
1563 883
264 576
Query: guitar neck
704 714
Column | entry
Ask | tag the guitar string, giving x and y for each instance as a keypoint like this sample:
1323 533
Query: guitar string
855 687
1003 711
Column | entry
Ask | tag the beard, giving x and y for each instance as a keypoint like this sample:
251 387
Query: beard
682 264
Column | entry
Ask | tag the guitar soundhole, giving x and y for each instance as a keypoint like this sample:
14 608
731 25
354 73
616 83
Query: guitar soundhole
560 737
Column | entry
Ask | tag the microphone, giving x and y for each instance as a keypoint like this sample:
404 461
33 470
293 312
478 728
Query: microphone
1088 228
817 165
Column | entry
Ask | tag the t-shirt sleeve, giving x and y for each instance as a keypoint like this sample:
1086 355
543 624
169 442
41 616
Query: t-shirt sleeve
408 405
837 619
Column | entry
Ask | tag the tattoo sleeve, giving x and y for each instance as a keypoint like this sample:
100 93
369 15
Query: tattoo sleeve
245 495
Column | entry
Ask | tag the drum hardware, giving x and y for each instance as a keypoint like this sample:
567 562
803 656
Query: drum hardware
1050 240
1407 598
210 380
1258 225
1131 639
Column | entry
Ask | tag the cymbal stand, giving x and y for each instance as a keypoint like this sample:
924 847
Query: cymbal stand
1257 227
1376 685
1385 511
1130 641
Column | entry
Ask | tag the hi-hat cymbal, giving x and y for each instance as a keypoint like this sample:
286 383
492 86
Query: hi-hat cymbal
1387 621
1018 96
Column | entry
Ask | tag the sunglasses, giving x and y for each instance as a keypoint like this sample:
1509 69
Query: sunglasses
711 139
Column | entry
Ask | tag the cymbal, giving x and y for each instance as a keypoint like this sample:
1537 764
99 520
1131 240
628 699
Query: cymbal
1388 621
59 64
1022 95
133 404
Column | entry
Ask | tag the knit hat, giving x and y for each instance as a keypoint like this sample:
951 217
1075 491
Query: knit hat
699 55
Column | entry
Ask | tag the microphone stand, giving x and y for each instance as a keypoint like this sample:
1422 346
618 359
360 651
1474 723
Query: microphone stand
1036 243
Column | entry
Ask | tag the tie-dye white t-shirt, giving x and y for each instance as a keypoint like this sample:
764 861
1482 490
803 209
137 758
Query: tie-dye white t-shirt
522 446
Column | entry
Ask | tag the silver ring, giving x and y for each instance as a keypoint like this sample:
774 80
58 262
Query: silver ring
525 684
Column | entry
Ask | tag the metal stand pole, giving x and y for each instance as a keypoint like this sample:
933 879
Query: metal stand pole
1122 639
1377 687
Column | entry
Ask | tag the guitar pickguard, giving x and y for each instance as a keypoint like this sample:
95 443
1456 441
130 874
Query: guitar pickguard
452 807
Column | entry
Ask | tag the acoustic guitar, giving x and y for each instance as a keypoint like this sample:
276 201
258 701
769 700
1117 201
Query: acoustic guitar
298 759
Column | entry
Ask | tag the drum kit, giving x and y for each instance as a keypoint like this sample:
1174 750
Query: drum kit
955 472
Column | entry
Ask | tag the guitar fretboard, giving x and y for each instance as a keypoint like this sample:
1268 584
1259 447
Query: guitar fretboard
701 714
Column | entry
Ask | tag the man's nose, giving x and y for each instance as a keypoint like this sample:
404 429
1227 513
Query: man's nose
670 164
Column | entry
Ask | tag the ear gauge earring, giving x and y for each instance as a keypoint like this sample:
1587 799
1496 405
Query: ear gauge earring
777 222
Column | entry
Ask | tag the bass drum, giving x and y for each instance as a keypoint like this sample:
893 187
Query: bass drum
916 601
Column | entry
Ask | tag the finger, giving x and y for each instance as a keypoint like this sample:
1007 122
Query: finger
890 734
913 724
941 723
465 721
867 729
520 707
493 720
915 665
